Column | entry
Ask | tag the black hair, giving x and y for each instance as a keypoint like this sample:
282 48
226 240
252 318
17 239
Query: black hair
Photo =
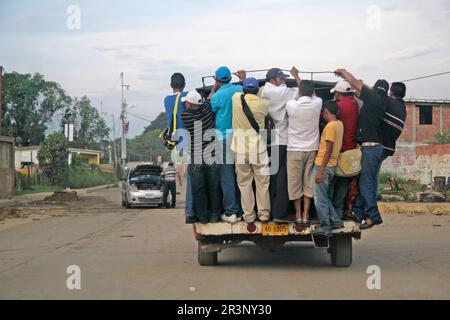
331 106
254 91
225 81
177 81
306 88
170 164
347 94
398 89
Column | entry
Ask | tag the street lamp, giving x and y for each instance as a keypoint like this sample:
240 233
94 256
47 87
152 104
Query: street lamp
68 133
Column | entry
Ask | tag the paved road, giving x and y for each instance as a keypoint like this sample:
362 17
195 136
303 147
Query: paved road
151 254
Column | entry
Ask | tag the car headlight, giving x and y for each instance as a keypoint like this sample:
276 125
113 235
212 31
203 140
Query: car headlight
134 188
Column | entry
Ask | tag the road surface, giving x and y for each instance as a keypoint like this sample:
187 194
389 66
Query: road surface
151 254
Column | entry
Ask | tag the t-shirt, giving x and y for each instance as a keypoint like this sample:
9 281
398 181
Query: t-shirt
303 130
278 96
221 105
169 106
348 114
245 139
197 122
394 122
333 132
169 173
371 117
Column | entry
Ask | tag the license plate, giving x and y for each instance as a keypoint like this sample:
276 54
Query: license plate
149 197
273 229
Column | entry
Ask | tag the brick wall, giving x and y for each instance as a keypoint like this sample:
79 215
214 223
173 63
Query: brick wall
420 163
425 133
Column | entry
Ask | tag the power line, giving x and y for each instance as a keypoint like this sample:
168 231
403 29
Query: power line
139 117
428 76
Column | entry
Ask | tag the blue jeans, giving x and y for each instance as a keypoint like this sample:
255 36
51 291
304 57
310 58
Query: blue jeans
228 183
339 191
323 200
189 202
366 202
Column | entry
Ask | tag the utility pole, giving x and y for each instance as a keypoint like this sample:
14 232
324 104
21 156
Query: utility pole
1 99
123 117
114 143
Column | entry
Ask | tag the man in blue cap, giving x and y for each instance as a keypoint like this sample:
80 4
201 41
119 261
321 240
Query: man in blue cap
252 162
220 96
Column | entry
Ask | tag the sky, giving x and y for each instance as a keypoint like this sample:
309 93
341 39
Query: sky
84 45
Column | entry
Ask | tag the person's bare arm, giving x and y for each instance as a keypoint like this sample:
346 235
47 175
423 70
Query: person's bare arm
355 83
295 74
179 178
242 75
214 88
326 159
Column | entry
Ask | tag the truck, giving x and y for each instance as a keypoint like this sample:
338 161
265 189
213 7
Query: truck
212 238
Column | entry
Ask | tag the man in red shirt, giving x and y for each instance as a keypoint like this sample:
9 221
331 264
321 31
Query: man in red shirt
348 114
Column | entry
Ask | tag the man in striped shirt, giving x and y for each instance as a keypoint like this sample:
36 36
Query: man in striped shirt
199 121
394 118
169 176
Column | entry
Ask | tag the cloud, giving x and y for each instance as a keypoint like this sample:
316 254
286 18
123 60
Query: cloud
411 52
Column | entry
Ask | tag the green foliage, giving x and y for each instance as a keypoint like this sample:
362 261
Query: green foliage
148 146
90 127
52 157
29 105
444 137
39 189
383 179
84 175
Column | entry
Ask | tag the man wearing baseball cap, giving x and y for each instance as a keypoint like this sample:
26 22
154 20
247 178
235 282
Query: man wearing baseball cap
348 114
252 162
369 134
278 94
204 172
221 96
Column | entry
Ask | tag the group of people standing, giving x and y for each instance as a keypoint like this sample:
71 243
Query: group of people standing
236 172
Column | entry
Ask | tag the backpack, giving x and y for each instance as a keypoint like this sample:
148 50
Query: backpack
349 163
167 134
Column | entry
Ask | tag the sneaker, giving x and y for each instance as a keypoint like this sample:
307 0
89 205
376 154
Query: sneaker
340 226
230 219
322 232
264 219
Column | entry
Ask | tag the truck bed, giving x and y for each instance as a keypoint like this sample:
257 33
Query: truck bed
243 228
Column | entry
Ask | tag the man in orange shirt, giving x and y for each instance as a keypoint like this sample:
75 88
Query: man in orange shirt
325 168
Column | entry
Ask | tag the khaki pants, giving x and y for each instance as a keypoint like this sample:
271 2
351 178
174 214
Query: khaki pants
249 168
300 166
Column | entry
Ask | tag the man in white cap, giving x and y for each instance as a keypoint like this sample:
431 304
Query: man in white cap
198 119
348 114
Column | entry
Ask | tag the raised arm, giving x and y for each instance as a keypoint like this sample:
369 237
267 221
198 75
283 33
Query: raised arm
295 74
355 83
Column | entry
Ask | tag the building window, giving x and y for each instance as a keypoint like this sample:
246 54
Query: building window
425 115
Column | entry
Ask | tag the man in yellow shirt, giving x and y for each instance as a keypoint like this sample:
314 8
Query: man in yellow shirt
252 163
325 168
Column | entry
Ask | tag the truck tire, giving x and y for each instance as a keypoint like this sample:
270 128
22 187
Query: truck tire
341 250
206 259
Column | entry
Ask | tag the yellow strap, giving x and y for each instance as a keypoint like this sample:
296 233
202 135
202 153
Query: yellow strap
175 112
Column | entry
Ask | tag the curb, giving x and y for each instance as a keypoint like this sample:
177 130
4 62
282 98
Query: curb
408 208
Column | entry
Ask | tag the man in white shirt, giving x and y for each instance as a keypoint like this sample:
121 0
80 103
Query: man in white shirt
303 143
278 94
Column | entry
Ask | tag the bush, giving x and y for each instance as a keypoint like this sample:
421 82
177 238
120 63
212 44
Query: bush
83 175
52 157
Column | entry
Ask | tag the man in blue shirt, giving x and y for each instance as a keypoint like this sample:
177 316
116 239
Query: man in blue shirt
221 104
178 83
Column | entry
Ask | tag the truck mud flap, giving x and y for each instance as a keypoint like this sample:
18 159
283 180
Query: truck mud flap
320 241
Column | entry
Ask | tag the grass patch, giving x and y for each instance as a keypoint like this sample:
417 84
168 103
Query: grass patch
39 189
88 176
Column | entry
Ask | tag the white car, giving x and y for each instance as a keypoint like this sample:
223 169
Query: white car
142 186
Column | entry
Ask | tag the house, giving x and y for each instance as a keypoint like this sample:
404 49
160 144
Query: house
418 155
24 155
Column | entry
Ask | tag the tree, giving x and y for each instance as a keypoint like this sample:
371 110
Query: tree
52 158
90 128
29 105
